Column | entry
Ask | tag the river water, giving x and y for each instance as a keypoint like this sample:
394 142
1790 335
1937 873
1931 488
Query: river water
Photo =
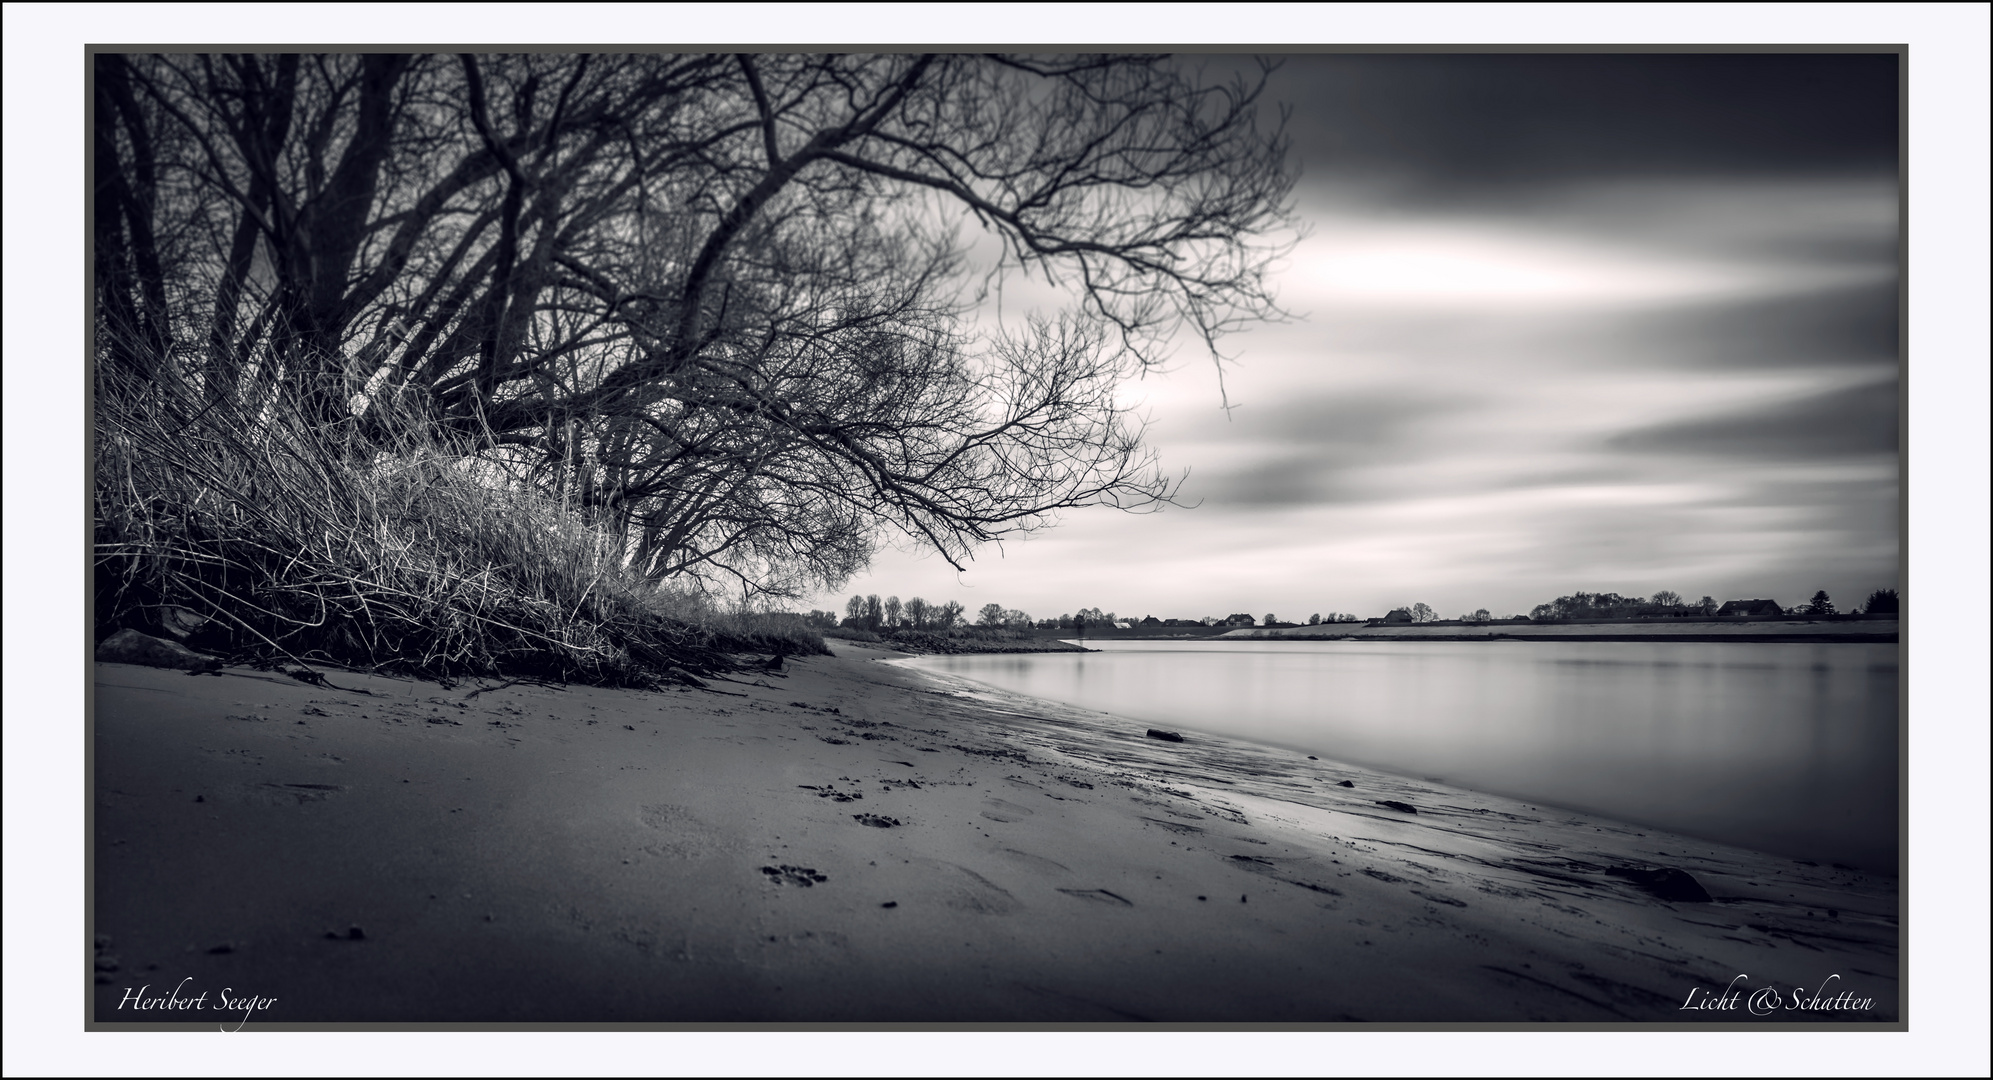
1785 748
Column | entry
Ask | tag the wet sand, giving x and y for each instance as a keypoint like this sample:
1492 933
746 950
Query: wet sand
850 840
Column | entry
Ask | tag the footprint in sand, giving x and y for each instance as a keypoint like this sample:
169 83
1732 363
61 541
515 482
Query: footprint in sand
290 794
687 837
1038 863
1006 812
1291 870
805 876
1099 896
963 889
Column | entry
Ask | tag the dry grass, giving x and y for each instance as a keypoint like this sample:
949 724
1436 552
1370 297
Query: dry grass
298 539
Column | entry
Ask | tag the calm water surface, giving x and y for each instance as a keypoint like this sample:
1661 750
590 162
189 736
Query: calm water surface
1779 747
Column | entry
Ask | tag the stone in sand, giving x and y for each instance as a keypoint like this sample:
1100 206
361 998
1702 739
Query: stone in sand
1394 804
1166 736
132 647
1344 783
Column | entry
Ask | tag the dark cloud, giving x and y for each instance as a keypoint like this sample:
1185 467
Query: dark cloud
1858 420
1492 121
1322 419
1311 449
1291 480
1840 327
1825 245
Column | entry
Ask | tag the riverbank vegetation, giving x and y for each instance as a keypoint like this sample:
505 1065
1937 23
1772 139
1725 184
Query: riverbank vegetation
568 364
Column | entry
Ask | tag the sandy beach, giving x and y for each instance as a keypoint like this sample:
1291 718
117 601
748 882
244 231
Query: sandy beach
851 840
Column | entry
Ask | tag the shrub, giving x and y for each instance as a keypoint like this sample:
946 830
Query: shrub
1881 602
851 633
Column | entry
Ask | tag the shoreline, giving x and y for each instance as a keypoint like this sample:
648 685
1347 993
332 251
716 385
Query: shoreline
590 855
1850 845
940 646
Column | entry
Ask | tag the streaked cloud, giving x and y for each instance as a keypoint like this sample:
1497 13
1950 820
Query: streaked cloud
1857 420
1554 336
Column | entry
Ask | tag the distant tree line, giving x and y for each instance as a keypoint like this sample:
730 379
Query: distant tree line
871 613
1669 604
1609 605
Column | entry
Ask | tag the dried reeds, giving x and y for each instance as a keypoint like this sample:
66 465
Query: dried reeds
374 541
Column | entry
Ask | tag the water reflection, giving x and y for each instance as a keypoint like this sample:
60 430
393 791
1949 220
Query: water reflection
1781 747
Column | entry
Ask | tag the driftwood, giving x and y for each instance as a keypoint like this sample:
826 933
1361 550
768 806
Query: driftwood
132 647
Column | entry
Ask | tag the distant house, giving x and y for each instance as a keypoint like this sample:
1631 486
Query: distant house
1401 615
1152 621
1520 618
1749 609
1238 620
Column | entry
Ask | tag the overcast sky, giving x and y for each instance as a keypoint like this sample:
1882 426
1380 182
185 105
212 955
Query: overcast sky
1611 323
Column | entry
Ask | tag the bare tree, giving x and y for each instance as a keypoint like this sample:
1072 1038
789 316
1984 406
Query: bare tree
917 613
714 303
990 615
1422 613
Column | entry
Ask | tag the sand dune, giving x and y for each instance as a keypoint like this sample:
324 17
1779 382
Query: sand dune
854 841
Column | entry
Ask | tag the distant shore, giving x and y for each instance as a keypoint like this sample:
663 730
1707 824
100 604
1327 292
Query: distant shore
847 840
1865 631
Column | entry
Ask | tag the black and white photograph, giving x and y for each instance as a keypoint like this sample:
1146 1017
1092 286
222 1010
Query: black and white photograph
1301 538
